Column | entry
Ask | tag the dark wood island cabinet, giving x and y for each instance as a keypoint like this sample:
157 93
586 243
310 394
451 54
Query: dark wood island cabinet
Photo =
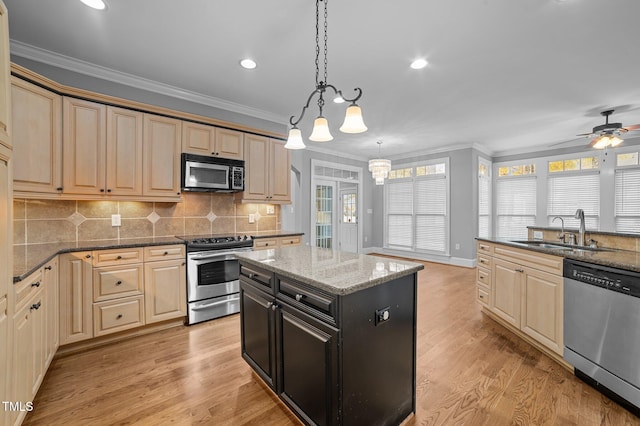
332 333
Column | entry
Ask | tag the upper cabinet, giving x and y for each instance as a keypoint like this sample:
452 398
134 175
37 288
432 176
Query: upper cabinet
124 152
162 143
5 99
267 174
202 139
37 138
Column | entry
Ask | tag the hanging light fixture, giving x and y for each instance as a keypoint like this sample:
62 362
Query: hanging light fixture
353 122
379 167
605 141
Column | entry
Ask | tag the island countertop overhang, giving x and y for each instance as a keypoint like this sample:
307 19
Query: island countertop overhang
336 272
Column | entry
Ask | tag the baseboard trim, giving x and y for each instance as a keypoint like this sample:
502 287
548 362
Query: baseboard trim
447 260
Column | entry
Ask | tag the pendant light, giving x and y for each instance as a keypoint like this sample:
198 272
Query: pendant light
379 167
353 122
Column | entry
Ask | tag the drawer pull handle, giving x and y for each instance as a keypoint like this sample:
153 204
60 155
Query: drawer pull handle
165 253
519 270
483 261
36 284
35 306
266 244
252 275
47 268
119 316
88 256
299 297
119 257
118 282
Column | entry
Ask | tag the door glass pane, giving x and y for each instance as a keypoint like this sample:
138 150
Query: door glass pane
324 216
349 208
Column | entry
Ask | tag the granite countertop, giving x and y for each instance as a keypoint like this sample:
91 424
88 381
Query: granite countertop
27 258
336 272
622 259
277 234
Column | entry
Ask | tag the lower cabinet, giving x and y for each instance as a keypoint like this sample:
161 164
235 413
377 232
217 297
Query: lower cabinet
165 290
274 242
76 297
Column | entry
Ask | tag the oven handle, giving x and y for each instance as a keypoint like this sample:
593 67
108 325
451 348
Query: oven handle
213 254
219 302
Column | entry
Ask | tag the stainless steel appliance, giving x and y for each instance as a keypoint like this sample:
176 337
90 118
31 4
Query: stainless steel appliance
602 328
211 174
213 275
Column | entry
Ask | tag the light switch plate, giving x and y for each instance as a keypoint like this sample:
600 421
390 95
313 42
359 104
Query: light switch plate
252 218
271 210
115 220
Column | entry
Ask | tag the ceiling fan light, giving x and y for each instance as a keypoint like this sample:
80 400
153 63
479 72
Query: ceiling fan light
601 142
321 131
295 139
615 141
353 122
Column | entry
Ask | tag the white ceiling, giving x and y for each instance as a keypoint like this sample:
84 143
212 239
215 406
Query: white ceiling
507 75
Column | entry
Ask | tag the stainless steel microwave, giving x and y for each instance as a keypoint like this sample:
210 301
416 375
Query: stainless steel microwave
211 174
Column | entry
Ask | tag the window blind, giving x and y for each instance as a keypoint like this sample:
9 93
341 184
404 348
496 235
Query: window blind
567 193
399 213
431 213
515 206
484 206
627 208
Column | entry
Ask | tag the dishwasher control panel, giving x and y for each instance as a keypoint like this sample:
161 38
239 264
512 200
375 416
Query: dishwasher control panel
627 282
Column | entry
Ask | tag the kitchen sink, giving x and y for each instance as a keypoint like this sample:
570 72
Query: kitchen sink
558 246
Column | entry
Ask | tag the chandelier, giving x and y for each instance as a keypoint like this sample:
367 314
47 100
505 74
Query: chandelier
379 167
353 122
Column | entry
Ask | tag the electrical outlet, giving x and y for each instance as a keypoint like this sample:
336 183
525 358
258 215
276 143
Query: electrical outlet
252 218
382 315
366 238
271 210
537 235
115 220
457 246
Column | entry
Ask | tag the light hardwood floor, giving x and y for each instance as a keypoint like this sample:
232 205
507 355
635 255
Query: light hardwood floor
471 371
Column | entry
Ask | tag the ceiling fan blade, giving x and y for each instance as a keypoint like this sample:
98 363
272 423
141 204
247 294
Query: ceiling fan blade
585 134
571 143
632 127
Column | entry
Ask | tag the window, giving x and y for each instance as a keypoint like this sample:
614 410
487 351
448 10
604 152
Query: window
574 164
568 192
416 208
515 206
349 208
484 198
627 208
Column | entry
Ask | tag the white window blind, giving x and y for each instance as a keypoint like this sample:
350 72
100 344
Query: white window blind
400 213
627 209
515 206
484 202
431 213
567 193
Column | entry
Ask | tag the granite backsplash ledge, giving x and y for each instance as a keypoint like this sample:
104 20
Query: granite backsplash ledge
57 221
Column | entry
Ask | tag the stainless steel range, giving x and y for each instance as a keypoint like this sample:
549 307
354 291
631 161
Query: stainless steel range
212 275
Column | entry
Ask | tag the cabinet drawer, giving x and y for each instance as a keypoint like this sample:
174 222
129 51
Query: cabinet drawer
542 261
483 276
258 277
117 281
169 252
24 289
482 296
485 248
484 261
290 241
264 243
117 315
300 294
117 257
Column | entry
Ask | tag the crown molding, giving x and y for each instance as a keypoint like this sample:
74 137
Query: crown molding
314 148
76 65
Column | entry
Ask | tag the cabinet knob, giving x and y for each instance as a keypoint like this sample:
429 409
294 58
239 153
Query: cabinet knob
101 189
165 253
178 193
35 306
519 270
36 284
119 316
119 257
251 275
88 256
59 188
108 190
118 282
266 244
299 297
47 268
274 307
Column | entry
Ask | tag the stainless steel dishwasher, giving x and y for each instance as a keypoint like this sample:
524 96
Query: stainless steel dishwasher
602 328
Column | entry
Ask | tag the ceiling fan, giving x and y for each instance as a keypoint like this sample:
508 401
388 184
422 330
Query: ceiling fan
608 134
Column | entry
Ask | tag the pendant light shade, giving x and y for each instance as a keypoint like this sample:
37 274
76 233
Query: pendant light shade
321 131
606 141
295 139
379 168
353 122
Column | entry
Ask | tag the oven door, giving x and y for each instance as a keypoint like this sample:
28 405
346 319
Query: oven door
212 274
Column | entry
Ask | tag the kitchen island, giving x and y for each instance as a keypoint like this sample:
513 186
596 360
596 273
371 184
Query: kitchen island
333 334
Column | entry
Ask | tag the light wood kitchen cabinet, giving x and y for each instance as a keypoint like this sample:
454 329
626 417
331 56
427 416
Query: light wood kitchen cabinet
162 146
274 242
50 280
117 315
124 152
5 98
207 140
37 135
524 289
76 297
84 146
268 168
165 287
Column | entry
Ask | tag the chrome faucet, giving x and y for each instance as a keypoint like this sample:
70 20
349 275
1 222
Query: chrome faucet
561 235
580 215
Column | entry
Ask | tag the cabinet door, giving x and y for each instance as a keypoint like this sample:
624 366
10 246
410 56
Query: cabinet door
5 99
256 185
76 296
229 144
51 312
124 152
257 331
309 371
165 287
83 146
505 292
37 135
542 308
162 144
23 373
6 254
198 138
280 172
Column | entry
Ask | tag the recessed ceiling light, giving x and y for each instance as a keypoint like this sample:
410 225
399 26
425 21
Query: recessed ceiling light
96 4
419 64
248 64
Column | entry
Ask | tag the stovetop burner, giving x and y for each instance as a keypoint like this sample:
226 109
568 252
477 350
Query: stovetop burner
216 242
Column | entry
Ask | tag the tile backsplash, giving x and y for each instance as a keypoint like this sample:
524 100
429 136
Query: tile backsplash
52 221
